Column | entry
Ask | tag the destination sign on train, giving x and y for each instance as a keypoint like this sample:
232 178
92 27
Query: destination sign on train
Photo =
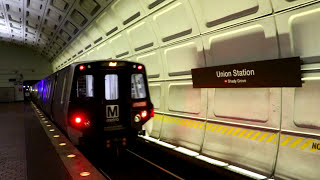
269 73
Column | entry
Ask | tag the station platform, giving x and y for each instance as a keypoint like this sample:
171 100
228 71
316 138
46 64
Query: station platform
31 147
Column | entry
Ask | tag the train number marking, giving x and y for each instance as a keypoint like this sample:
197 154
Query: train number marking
112 113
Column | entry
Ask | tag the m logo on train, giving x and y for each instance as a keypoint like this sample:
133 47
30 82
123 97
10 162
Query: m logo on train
112 113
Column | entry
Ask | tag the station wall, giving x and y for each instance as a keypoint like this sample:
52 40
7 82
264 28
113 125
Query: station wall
272 131
21 63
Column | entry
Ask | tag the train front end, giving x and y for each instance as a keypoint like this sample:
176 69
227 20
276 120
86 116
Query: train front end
109 103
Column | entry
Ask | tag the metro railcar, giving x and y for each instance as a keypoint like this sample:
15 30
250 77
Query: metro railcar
97 102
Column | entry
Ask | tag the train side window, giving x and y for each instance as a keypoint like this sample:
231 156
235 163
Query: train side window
63 87
111 87
138 90
85 86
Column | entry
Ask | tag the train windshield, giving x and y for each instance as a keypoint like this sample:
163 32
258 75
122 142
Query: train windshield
85 86
111 87
138 90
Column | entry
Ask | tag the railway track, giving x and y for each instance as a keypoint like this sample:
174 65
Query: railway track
144 161
130 165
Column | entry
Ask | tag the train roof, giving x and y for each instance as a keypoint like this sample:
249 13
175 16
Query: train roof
93 61
104 60
99 61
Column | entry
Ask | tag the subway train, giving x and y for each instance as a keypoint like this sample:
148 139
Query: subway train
97 102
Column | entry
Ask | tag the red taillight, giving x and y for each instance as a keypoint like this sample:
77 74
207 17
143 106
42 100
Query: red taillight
78 120
81 67
144 114
140 67
152 112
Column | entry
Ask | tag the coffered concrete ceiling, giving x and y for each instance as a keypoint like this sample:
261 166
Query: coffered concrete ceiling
46 25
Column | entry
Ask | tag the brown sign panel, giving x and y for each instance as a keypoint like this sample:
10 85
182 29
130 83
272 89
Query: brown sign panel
271 73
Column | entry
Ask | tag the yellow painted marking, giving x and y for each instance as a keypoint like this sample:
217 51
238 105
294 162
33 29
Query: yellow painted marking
174 120
281 136
165 118
219 128
256 135
236 131
209 126
201 125
306 144
286 141
195 126
311 149
271 138
192 124
242 133
224 130
183 121
263 136
214 127
178 121
187 124
249 134
296 142
230 131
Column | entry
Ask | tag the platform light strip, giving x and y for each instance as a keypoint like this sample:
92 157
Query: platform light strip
209 160
246 172
84 173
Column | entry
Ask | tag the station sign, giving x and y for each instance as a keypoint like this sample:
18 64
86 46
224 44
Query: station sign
270 73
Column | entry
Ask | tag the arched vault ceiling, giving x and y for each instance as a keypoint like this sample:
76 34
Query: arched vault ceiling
46 25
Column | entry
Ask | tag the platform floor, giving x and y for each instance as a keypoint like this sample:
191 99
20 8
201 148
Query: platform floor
25 150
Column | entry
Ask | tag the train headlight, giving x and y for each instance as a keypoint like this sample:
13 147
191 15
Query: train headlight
137 118
112 64
144 114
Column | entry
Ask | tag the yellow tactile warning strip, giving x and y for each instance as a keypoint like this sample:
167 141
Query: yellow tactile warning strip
255 135
76 164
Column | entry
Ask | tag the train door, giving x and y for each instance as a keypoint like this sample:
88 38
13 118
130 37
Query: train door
59 102
115 100
54 87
